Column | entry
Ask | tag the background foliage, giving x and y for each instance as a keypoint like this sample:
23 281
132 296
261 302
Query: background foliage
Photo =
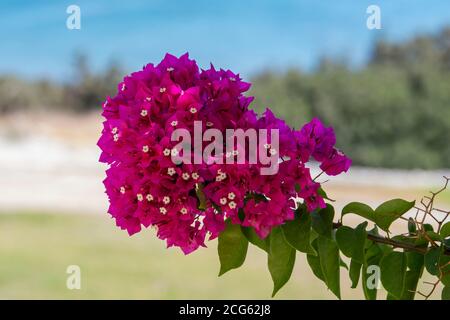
392 112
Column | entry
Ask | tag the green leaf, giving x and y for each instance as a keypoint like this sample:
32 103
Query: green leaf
360 209
355 271
329 263
323 194
373 255
281 259
434 236
232 248
412 228
415 262
390 211
298 232
445 230
345 238
254 239
314 261
393 269
444 267
352 241
343 264
445 293
322 221
314 264
432 260
384 215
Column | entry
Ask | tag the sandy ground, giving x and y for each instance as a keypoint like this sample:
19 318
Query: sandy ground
50 163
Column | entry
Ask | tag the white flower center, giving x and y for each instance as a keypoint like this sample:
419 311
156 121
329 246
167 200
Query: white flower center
140 197
144 113
149 197
185 176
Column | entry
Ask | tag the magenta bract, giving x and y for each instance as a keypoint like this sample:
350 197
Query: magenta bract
144 186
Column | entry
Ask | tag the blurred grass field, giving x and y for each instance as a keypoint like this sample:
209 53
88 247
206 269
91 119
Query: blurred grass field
36 248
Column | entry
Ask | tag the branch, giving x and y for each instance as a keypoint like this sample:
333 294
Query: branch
394 243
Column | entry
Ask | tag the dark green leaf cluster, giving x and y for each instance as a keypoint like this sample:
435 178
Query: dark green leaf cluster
395 262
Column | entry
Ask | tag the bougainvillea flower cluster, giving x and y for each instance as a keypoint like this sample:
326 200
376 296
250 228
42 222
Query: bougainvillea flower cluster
189 203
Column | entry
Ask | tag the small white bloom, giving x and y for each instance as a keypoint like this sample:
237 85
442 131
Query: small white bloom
171 171
174 123
183 210
122 190
145 149
149 197
231 196
195 175
166 200
193 110
116 137
162 90
114 130
140 197
185 176
223 201
232 205
166 152
143 113
163 210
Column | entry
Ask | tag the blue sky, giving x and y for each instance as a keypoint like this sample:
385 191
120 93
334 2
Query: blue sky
243 35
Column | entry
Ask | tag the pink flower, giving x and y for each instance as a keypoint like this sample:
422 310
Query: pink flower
189 203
